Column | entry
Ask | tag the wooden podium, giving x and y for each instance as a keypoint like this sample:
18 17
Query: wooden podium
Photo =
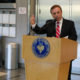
55 66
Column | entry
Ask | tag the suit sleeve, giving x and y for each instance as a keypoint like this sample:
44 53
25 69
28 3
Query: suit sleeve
72 32
41 30
44 28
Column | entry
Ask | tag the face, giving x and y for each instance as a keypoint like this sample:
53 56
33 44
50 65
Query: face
56 13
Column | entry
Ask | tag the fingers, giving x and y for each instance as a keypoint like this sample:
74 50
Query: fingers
32 20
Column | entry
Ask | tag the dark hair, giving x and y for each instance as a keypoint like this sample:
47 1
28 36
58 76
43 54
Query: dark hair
54 6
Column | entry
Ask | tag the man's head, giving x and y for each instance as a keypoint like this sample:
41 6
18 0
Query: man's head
56 12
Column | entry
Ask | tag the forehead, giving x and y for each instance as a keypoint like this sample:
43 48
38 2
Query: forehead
56 9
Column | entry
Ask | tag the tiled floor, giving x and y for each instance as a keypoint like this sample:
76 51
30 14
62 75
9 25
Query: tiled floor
19 74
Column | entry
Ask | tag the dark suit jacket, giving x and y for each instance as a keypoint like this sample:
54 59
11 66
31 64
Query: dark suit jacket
68 29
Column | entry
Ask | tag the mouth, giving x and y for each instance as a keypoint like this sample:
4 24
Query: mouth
58 18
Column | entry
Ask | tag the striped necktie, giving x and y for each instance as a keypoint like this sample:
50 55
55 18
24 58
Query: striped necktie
57 30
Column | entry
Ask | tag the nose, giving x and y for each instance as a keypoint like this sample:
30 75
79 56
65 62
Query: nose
56 15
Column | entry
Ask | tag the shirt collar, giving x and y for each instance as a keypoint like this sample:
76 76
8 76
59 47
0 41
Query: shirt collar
60 20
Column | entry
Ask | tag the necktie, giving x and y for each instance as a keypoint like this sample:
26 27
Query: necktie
57 30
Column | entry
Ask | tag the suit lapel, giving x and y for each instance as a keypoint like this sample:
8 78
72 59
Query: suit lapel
63 27
55 27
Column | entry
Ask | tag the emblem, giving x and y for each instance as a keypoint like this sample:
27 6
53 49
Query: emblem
41 47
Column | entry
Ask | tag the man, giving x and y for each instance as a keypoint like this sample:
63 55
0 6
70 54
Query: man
58 27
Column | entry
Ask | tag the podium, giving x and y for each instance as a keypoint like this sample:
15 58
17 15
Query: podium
51 64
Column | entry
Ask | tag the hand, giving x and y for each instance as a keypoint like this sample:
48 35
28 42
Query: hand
32 20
